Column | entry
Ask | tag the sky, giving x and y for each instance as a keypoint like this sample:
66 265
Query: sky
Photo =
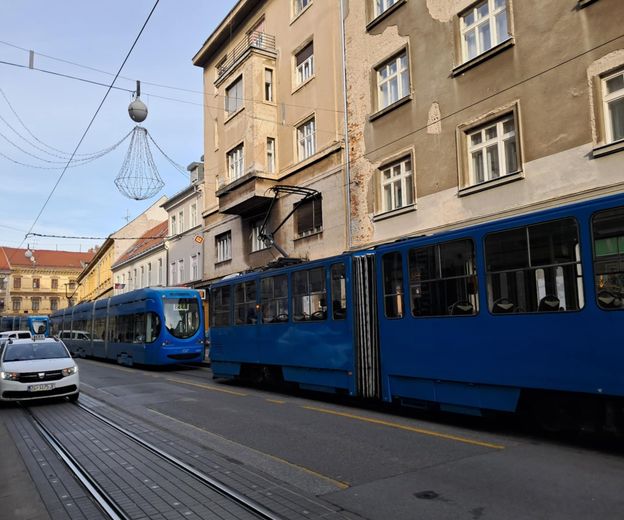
54 111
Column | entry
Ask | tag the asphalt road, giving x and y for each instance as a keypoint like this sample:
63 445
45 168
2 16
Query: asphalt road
372 462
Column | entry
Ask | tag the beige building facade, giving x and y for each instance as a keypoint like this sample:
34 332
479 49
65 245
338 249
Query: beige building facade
462 111
274 116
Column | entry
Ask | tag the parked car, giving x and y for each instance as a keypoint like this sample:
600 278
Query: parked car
16 334
35 369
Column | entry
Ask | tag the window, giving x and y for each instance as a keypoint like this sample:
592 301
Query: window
304 64
383 5
149 274
235 163
172 274
194 268
482 27
223 243
54 304
397 185
180 271
142 276
338 292
492 150
309 217
72 285
245 303
270 155
160 271
35 303
257 244
17 283
392 265
173 225
268 85
193 216
220 306
613 99
534 269
181 221
275 299
306 139
36 283
608 235
443 279
300 5
16 304
309 295
392 81
234 96
54 283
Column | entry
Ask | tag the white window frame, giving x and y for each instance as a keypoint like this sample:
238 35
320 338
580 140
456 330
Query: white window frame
160 271
270 155
397 184
181 221
172 274
223 246
193 215
300 5
236 162
609 98
393 81
180 271
306 139
194 267
173 225
489 144
142 276
268 85
305 70
381 6
256 243
234 96
473 21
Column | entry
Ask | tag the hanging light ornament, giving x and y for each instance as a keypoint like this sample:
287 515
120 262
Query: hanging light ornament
138 178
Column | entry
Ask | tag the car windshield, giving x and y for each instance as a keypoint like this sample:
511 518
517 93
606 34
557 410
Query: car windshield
30 351
182 316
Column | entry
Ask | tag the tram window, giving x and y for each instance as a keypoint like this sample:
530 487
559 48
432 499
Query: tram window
393 285
152 327
443 279
338 292
309 295
100 329
540 273
245 312
608 235
220 306
275 299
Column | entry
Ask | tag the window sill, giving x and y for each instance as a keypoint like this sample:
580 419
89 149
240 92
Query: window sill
460 69
384 15
231 116
223 262
606 149
300 13
301 85
584 3
510 177
394 213
312 234
390 108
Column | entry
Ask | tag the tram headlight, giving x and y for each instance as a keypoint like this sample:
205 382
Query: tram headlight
9 376
69 371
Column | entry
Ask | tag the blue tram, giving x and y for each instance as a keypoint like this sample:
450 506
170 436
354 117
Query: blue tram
35 324
152 326
521 313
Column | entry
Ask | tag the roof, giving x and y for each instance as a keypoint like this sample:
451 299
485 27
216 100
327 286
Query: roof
149 240
11 257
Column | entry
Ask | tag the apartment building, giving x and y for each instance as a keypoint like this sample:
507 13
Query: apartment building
462 111
274 117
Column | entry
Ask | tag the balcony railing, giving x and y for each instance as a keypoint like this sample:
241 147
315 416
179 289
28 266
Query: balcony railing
253 40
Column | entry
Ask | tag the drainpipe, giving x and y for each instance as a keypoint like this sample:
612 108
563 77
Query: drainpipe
346 124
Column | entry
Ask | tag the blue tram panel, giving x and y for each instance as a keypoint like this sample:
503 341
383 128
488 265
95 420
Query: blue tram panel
151 326
501 315
39 325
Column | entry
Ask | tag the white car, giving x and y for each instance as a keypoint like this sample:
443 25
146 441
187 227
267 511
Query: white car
16 334
34 369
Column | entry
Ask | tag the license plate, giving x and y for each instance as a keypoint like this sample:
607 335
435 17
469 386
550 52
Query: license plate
40 388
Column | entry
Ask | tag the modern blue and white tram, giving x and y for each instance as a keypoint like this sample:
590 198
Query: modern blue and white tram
151 326
522 313
37 325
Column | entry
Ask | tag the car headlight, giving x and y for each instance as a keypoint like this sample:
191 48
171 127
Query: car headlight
69 371
9 376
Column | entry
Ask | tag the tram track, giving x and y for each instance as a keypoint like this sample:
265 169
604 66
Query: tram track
105 492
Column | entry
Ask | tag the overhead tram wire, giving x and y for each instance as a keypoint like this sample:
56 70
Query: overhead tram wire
110 87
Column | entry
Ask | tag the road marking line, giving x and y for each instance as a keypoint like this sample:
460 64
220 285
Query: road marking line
276 401
207 387
408 428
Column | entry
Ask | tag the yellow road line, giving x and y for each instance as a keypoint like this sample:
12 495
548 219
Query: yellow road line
206 387
408 428
276 401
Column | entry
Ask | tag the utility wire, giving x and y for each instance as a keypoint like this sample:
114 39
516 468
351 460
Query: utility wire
110 87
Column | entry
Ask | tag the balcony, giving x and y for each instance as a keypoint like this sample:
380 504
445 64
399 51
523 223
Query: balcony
246 195
253 41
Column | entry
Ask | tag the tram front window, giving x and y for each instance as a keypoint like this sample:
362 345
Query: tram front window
181 316
39 326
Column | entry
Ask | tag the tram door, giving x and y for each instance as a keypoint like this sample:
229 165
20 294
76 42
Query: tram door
366 327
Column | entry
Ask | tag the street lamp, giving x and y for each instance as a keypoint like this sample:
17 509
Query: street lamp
70 296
